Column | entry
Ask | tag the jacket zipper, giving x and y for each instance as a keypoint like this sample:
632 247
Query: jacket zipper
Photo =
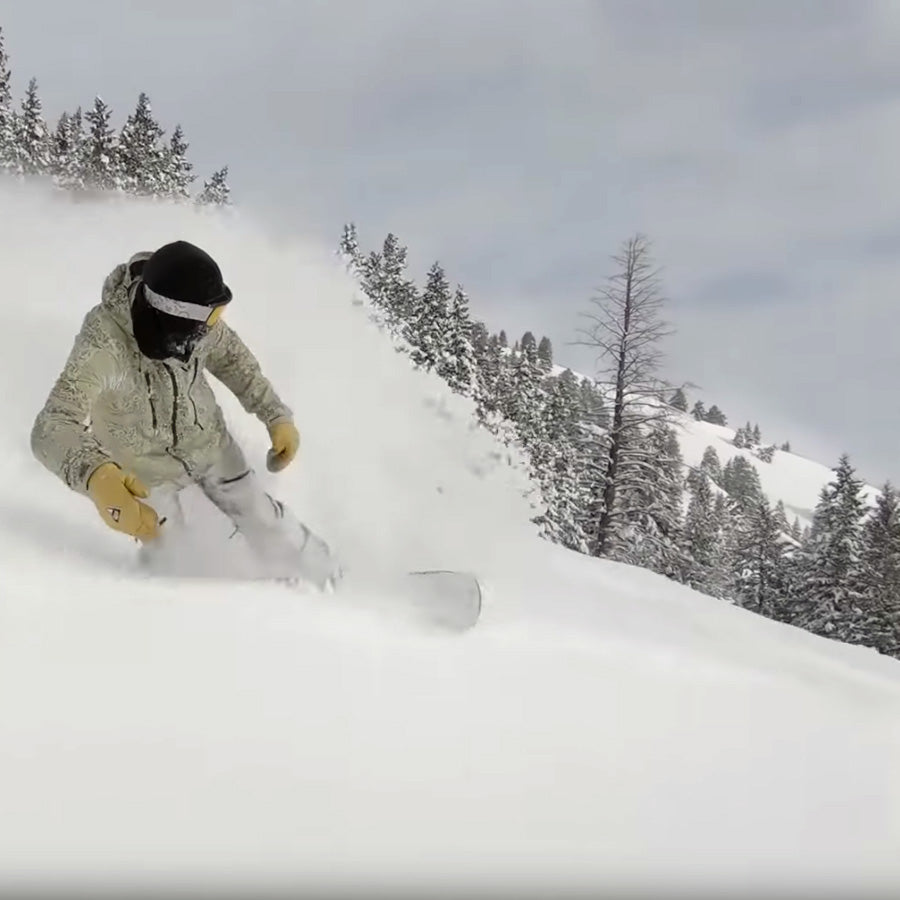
175 419
150 400
190 393
174 406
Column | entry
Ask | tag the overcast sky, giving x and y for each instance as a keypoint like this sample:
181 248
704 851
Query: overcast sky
756 144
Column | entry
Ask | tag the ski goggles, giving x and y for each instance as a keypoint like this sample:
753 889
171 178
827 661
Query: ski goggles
208 313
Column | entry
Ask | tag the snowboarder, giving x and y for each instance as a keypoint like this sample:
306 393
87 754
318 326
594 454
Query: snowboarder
132 417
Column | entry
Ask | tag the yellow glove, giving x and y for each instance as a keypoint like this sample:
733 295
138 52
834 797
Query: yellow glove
114 493
285 444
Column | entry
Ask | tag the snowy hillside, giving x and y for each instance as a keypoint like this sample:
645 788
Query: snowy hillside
603 729
793 479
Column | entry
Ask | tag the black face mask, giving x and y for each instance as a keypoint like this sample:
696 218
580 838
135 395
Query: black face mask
161 336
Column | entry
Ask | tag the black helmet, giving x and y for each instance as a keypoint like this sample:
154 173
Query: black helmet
177 299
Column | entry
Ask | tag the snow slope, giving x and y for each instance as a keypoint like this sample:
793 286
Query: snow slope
793 479
603 730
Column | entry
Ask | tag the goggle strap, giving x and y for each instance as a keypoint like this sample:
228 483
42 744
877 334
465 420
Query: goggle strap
180 308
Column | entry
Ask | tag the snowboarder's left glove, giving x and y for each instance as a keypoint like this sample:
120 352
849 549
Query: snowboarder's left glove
285 444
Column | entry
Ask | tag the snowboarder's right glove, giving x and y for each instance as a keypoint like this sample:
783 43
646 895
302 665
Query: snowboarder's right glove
114 494
285 444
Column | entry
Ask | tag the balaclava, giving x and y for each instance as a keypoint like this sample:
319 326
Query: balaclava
179 289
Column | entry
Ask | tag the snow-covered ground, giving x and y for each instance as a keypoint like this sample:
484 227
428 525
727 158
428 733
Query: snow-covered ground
602 729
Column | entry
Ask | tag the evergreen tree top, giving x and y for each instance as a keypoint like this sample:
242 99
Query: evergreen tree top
679 400
5 76
215 191
100 160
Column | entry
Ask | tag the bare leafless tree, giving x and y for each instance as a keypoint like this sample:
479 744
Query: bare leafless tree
626 329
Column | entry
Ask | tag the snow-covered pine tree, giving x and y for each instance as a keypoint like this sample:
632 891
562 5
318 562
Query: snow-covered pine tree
177 172
593 408
459 366
740 481
381 274
699 411
594 430
665 465
397 294
826 586
429 324
880 572
495 387
140 158
678 400
101 169
215 191
560 463
757 558
488 363
767 453
371 277
650 503
701 536
583 472
711 466
348 249
755 436
32 143
59 146
479 336
781 517
590 444
723 521
524 397
740 438
7 117
563 408
626 331
715 416
70 152
545 355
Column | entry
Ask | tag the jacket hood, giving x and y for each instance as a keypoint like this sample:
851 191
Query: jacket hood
116 294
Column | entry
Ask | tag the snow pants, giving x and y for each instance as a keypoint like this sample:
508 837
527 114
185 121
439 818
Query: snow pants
282 545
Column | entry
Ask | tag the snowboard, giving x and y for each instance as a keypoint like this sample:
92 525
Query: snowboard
445 599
